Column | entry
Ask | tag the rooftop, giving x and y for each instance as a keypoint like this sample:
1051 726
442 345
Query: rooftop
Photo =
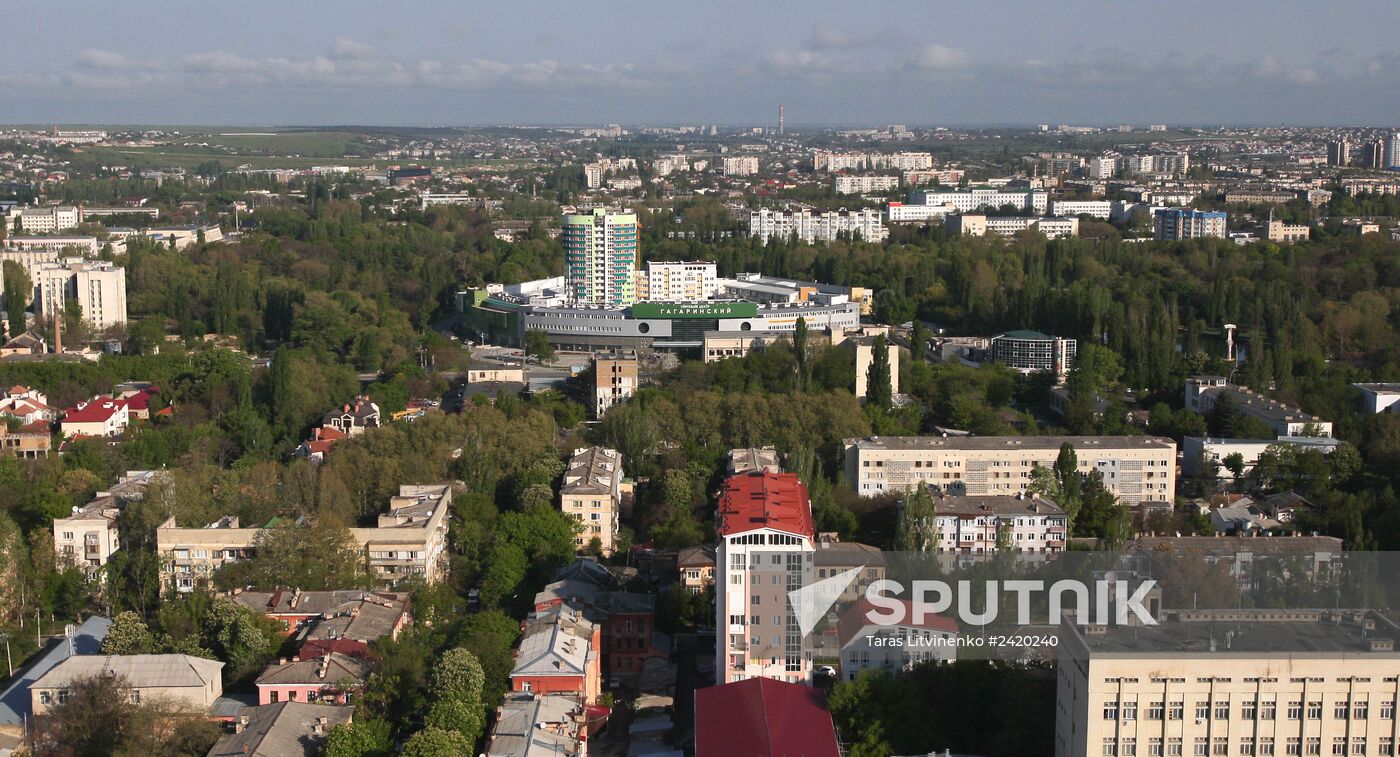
592 470
87 640
328 669
837 553
284 729
757 499
139 670
527 726
762 717
1012 442
1250 632
999 505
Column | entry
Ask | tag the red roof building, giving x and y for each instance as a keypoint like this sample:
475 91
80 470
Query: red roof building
101 416
759 499
761 717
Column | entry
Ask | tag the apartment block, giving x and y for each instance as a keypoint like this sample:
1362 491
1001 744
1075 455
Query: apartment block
592 494
615 378
89 537
765 551
686 281
98 287
854 185
1005 226
1017 522
1202 392
1278 231
1172 224
1234 683
50 219
600 257
813 226
743 165
871 161
1137 469
968 200
1068 208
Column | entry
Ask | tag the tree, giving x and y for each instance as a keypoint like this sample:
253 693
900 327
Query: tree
363 738
319 556
1234 462
94 719
917 530
1068 482
800 347
878 389
436 742
17 289
128 634
537 345
1096 369
919 341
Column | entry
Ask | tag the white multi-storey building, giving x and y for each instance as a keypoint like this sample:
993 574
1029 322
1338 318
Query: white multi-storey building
866 161
50 219
965 201
1137 469
689 281
98 287
741 165
89 537
1202 392
1103 166
1096 208
765 551
852 185
979 225
978 525
814 226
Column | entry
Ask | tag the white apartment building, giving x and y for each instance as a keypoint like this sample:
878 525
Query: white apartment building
741 165
949 176
1005 226
871 161
1035 201
89 537
817 226
69 245
49 220
1201 451
1096 208
978 525
899 212
1286 420
1380 398
592 495
1229 683
1137 469
686 281
98 287
1103 166
853 185
765 550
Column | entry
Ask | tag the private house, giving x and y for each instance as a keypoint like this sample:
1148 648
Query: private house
100 416
285 729
332 678
696 566
559 654
193 679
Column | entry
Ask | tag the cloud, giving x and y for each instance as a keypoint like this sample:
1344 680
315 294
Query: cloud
941 58
828 40
107 60
348 49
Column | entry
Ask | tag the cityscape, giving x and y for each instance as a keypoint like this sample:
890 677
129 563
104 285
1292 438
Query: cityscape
932 386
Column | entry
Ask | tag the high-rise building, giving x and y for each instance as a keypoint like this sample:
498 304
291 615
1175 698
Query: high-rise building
1392 151
1184 223
600 257
742 165
1339 153
98 287
765 551
813 226
684 281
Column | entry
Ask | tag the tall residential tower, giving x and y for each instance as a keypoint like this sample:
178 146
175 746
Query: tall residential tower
600 257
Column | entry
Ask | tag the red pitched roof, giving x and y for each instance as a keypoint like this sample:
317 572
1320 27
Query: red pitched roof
857 618
142 399
759 499
761 717
95 411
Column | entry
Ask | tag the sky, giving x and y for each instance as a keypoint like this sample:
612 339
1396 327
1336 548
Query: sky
660 62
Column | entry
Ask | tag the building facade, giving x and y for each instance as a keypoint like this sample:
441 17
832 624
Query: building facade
1172 224
1202 392
615 378
592 495
98 287
1136 469
600 257
854 185
742 165
1005 226
1031 351
1018 522
692 281
818 226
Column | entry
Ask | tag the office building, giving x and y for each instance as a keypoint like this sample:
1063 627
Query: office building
765 551
600 257
409 539
1173 224
1031 351
615 378
1236 683
1286 420
1136 469
818 226
1005 226
743 165
688 281
98 287
55 246
592 494
1018 522
854 185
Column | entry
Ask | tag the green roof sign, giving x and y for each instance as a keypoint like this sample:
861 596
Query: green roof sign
675 310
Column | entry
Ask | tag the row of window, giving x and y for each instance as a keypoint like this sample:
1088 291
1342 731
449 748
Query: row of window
1250 710
1250 747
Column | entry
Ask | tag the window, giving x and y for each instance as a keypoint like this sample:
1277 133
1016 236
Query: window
1314 710
1154 748
1313 744
1386 747
134 697
1203 710
1293 746
1340 711
1267 710
1201 748
1110 747
1388 710
1266 746
1176 710
1248 710
1247 747
45 697
1360 710
1110 710
1339 745
1358 746
1220 747
1222 710
1154 711
1130 710
273 697
1295 710
1129 748
1174 747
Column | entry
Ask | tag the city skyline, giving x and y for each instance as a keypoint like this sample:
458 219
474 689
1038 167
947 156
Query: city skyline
1016 64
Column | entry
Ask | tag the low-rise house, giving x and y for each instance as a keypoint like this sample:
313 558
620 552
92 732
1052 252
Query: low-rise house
331 621
1380 398
753 458
27 343
29 442
696 566
15 701
285 729
1202 392
321 441
529 725
25 404
1241 520
100 416
193 679
354 417
867 645
1285 507
332 678
559 654
763 717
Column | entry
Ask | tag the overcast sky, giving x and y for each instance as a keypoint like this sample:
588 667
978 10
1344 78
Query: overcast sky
466 62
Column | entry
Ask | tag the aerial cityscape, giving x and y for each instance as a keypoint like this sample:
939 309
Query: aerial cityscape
706 381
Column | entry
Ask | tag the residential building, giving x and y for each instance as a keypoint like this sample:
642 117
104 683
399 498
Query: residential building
354 417
331 678
15 699
893 646
1199 453
615 378
1244 556
1392 151
559 654
592 494
49 220
600 257
983 524
863 161
690 281
1136 469
89 537
1380 398
1229 682
54 246
1005 226
696 566
1072 208
24 404
100 416
1033 352
28 442
1202 392
1278 231
527 725
409 539
818 226
1339 153
864 347
194 680
180 237
742 165
627 620
900 212
1172 224
285 729
761 717
834 557
854 185
765 550
1034 201
345 621
753 459
27 343
98 287
946 176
